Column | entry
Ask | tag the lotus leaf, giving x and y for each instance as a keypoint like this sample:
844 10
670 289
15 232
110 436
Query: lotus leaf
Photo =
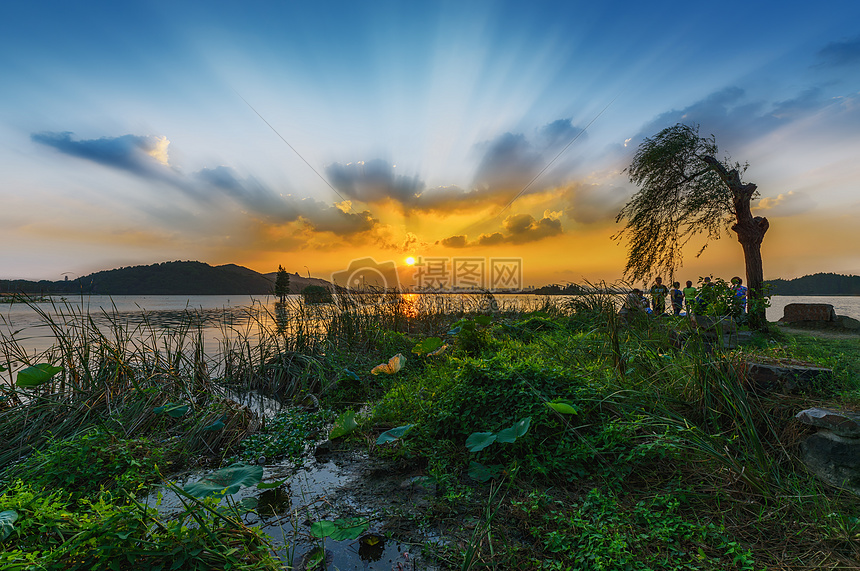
226 481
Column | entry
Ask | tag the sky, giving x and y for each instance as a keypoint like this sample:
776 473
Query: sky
333 136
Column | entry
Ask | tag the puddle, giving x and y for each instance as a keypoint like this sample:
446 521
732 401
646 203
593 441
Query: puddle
342 484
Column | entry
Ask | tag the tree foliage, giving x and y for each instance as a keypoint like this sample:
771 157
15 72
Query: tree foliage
686 191
680 196
282 284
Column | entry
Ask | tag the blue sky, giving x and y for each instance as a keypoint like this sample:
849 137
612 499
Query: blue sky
309 134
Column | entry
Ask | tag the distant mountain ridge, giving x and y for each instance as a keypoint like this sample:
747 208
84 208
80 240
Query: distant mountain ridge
166 278
816 284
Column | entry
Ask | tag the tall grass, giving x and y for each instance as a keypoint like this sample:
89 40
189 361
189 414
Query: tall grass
117 372
115 375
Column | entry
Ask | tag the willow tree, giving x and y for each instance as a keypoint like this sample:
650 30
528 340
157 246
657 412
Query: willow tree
685 191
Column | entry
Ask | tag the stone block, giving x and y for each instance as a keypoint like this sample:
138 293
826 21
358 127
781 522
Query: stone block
833 458
770 377
795 312
839 422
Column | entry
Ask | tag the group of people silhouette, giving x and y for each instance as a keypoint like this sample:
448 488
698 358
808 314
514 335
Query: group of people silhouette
689 300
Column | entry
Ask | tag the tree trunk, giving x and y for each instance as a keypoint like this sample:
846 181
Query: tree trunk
750 230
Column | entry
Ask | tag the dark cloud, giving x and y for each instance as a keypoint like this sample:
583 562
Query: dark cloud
134 153
506 165
146 157
508 162
837 54
373 182
247 191
454 242
558 133
274 208
324 218
519 229
493 239
524 228
450 199
735 120
511 161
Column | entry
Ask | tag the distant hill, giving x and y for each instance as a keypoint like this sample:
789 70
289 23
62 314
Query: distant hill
166 278
817 284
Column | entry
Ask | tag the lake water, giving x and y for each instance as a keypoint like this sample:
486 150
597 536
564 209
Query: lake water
222 316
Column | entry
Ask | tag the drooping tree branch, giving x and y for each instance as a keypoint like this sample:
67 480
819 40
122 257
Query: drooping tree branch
685 191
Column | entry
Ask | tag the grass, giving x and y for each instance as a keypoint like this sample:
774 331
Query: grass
655 453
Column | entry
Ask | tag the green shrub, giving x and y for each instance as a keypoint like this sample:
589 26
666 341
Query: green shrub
94 461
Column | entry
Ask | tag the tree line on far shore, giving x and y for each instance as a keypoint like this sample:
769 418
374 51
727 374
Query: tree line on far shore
815 284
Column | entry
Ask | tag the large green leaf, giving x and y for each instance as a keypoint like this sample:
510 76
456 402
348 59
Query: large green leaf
343 425
217 425
481 473
519 429
483 319
477 441
226 481
394 434
173 409
37 375
562 408
272 485
340 529
7 518
426 346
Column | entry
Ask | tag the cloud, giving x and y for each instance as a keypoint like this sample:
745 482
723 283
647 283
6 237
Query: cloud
506 165
134 153
844 53
589 204
519 229
373 182
147 157
263 202
785 204
735 120
559 133
510 161
458 241
524 228
451 199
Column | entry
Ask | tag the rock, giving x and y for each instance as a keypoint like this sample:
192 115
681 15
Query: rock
713 329
840 423
794 312
833 458
848 323
769 377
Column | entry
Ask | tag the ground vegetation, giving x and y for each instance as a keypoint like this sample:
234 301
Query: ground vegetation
555 436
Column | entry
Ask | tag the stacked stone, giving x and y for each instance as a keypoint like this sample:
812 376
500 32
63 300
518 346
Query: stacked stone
833 453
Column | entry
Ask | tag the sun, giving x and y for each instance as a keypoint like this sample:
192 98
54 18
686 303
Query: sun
410 261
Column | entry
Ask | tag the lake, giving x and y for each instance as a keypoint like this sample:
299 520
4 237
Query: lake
222 316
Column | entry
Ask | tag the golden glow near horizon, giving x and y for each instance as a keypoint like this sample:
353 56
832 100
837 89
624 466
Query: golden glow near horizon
410 261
